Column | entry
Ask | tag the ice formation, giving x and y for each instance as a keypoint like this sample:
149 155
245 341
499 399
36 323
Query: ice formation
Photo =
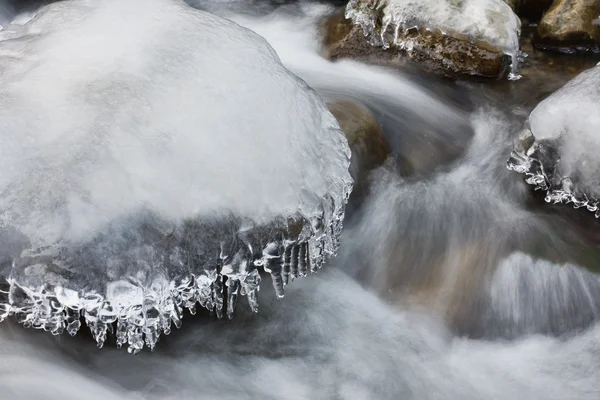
154 157
487 21
558 149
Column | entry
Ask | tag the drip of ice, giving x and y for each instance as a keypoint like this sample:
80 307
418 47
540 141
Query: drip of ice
487 21
558 149
153 158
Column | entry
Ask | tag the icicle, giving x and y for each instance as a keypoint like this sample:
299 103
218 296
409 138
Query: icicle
295 258
287 264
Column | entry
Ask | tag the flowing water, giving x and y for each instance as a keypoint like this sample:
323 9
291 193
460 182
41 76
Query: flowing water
453 281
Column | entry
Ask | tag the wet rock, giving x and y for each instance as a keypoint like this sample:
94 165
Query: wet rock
436 48
368 146
571 26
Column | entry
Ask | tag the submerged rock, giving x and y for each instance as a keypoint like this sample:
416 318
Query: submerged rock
558 149
365 138
147 169
467 37
570 26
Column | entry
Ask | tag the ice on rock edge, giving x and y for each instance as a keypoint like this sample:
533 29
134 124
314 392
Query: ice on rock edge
154 158
487 21
558 149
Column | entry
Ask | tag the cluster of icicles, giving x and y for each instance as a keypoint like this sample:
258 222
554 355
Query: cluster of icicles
539 165
138 310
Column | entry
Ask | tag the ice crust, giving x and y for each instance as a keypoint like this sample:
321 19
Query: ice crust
489 21
154 157
558 149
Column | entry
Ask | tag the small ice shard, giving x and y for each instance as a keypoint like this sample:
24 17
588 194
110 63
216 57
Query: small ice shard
489 24
558 149
155 158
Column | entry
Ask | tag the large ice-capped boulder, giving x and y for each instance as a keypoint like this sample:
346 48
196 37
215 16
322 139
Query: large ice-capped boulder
155 157
558 149
454 37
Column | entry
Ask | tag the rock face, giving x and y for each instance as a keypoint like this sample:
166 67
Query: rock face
558 149
570 26
366 141
448 37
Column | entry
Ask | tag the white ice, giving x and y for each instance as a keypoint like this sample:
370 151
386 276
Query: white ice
112 108
110 105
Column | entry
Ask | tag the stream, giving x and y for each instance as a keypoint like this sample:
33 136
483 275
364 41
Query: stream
453 280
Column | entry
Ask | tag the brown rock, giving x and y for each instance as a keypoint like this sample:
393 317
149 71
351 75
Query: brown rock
437 52
570 25
369 148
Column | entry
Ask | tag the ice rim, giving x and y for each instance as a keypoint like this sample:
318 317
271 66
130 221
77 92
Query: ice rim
364 13
173 272
539 161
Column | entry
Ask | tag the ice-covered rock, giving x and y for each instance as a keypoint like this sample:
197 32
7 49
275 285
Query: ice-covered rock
570 26
154 157
472 37
533 10
558 149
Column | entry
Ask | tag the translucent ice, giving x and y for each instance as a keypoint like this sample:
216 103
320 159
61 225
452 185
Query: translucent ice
558 149
153 157
487 21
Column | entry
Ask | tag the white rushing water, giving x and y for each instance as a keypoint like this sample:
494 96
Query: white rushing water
448 250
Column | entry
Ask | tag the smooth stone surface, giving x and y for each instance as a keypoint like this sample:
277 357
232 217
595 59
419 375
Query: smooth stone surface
571 26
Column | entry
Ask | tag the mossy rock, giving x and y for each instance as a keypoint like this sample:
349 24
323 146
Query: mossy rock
437 52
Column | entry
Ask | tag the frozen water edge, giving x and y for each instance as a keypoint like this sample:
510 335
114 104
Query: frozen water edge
489 21
556 192
134 188
531 159
143 311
